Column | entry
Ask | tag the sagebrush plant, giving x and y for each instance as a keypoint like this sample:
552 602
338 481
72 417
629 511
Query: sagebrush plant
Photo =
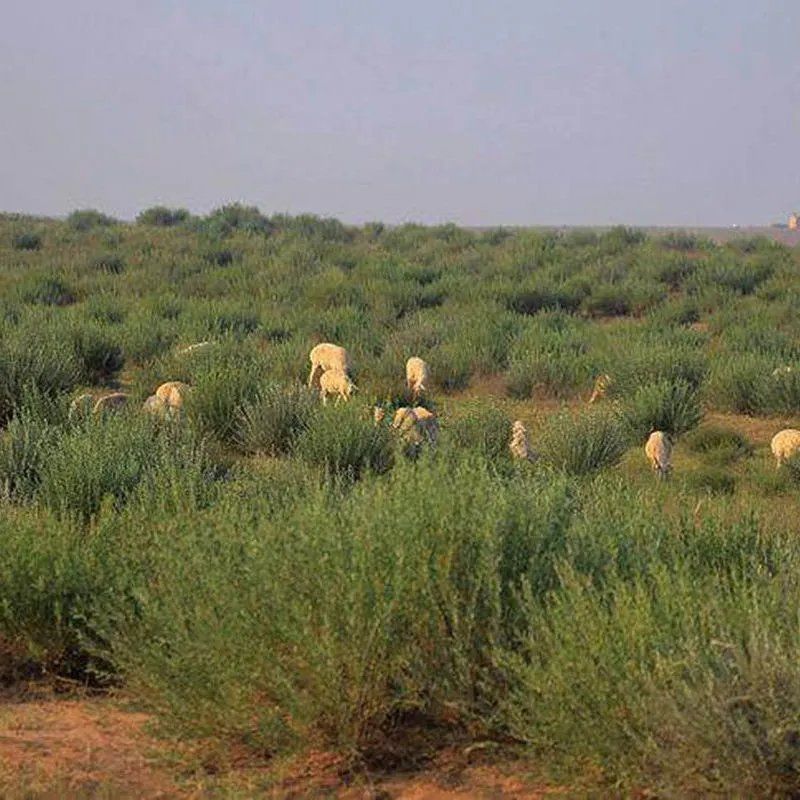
665 406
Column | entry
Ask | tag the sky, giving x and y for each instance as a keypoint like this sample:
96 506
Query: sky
550 112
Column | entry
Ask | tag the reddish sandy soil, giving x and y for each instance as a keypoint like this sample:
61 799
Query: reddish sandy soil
81 747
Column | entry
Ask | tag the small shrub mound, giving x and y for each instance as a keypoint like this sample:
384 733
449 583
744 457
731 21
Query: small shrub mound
588 441
719 439
26 241
712 479
345 442
271 421
663 406
107 262
45 291
486 431
162 217
88 219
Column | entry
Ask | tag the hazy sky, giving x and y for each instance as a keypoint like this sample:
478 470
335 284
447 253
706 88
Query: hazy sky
499 111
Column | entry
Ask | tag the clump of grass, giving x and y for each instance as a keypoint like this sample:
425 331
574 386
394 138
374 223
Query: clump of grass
664 406
45 290
26 241
162 216
719 439
273 419
345 442
714 479
584 442
107 262
87 219
483 430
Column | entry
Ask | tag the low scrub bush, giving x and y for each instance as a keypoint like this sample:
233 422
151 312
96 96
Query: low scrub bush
664 406
584 442
718 439
45 290
107 262
482 430
162 217
26 241
87 219
345 443
274 418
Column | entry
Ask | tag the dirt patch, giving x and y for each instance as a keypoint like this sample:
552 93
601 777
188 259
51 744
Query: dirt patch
759 430
77 748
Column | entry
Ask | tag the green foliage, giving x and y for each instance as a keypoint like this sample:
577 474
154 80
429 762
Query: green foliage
45 290
273 419
719 440
584 442
88 219
664 406
162 217
345 443
484 430
26 241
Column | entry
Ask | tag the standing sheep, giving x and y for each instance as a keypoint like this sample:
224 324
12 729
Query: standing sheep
173 393
784 445
520 446
335 382
659 453
601 386
325 357
111 402
417 375
155 405
416 424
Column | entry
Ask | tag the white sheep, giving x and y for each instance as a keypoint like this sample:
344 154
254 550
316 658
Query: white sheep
111 402
416 424
659 453
173 393
335 382
155 405
378 415
781 371
417 376
520 446
200 347
601 386
80 407
326 357
784 445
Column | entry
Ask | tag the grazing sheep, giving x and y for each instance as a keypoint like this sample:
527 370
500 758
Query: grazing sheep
417 375
601 386
326 357
200 347
784 445
659 453
111 402
779 371
155 405
416 424
172 393
378 415
520 446
80 407
335 382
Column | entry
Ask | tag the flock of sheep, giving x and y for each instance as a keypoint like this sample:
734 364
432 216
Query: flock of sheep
330 374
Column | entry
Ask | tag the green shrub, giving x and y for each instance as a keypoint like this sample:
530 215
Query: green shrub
719 439
87 219
225 220
272 420
345 443
712 479
100 353
664 406
108 262
26 241
162 217
483 430
579 444
741 384
45 290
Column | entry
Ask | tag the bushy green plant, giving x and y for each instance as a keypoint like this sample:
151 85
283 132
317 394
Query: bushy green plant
584 442
26 241
162 216
482 429
274 418
345 443
718 439
665 406
45 290
107 262
89 218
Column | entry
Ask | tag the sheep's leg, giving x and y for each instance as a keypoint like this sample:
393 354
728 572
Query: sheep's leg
312 378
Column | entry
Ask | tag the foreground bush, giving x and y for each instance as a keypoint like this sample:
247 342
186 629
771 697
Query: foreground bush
670 407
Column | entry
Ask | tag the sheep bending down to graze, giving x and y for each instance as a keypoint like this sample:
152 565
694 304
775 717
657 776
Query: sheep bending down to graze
173 393
111 402
416 424
601 386
155 405
520 446
417 375
80 407
784 445
326 357
335 382
659 453
378 415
